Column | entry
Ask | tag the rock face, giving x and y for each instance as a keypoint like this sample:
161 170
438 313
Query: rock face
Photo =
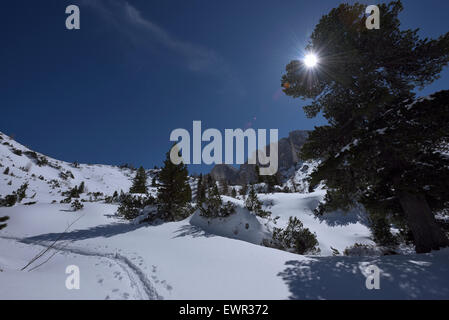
288 149
226 172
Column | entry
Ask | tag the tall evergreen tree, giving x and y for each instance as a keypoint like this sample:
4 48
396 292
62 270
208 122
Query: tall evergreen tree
140 182
174 192
200 190
382 145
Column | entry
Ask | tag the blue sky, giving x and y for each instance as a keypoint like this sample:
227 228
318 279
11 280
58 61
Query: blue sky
113 91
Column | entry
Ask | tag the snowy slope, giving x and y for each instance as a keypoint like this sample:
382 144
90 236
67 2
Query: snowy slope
48 181
118 260
192 259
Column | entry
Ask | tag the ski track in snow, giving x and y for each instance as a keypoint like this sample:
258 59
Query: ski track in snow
144 288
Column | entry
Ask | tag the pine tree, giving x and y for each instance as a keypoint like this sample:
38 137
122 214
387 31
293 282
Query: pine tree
174 192
2 224
234 193
200 190
271 181
153 182
21 192
77 205
244 190
81 188
139 182
382 146
6 172
259 178
224 187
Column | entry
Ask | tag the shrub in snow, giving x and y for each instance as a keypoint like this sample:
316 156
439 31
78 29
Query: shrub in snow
381 231
224 187
66 200
361 250
42 161
213 207
131 206
2 224
6 171
75 192
113 199
294 238
253 204
244 190
17 152
77 205
8 201
21 192
335 252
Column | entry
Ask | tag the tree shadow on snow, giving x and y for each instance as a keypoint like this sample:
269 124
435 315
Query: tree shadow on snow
192 231
340 218
401 277
104 231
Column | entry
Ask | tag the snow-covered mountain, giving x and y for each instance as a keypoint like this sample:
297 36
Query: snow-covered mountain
48 178
288 158
197 258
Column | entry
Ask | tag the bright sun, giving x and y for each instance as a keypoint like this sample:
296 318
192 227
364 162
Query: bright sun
311 60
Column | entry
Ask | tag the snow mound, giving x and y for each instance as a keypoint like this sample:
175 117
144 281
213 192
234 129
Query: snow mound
242 225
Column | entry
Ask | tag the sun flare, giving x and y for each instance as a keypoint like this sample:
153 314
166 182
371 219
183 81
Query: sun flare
311 60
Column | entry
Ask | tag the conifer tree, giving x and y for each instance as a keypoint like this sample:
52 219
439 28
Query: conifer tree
2 224
253 204
174 192
382 146
244 190
21 192
213 207
200 190
81 188
153 182
139 182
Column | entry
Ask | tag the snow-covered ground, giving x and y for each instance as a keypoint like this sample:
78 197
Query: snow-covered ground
192 259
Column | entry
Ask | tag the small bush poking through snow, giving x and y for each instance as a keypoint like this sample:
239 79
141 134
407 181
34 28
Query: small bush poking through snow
131 206
77 205
9 201
213 207
294 238
42 161
361 250
21 192
253 204
2 222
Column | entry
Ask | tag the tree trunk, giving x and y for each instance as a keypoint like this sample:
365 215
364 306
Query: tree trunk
421 221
